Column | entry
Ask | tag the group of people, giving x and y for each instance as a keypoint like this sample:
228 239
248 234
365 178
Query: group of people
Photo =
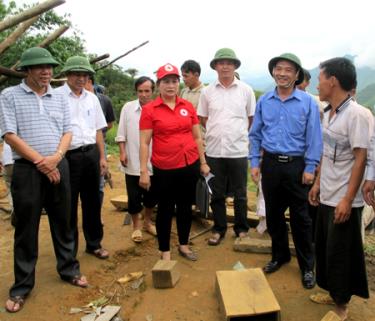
57 143
167 142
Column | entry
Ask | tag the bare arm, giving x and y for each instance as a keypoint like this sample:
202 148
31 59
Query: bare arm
203 121
205 169
123 156
145 139
102 158
343 208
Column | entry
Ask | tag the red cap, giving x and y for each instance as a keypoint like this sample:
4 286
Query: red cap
167 70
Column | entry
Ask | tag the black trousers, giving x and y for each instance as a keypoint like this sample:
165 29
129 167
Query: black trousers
340 262
84 179
233 170
283 188
31 191
175 190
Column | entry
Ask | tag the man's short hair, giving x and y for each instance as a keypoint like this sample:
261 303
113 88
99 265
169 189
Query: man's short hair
191 66
306 75
142 80
343 70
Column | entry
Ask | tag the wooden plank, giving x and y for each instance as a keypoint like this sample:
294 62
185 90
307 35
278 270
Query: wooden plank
257 245
246 293
120 202
331 316
165 274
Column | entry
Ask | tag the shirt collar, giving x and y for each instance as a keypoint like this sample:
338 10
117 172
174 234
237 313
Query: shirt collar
159 101
342 105
296 93
68 91
196 88
26 88
138 106
234 83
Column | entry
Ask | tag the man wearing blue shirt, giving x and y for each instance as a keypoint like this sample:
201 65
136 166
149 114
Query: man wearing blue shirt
286 129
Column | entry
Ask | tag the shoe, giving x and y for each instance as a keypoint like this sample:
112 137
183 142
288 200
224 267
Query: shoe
215 239
273 266
137 236
188 255
79 280
322 298
15 304
99 253
308 279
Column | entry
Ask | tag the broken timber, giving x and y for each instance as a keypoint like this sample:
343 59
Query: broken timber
246 295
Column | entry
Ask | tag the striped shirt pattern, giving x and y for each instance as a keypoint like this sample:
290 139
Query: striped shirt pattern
40 121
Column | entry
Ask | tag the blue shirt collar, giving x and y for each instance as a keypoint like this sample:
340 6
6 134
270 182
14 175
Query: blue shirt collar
297 94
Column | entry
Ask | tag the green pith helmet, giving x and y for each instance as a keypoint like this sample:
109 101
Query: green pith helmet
36 56
78 63
289 57
225 53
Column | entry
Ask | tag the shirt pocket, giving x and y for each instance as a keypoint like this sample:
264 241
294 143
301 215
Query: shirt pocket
297 124
56 120
90 118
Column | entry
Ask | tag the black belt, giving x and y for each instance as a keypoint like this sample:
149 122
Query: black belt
282 158
23 161
82 149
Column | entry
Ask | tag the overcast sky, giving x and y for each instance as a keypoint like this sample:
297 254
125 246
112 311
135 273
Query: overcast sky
257 30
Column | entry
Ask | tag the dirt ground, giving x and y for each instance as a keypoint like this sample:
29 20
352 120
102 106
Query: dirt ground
193 298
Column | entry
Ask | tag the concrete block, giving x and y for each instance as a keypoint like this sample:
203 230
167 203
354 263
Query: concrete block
255 245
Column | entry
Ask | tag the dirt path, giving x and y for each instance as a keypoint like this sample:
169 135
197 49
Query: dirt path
193 299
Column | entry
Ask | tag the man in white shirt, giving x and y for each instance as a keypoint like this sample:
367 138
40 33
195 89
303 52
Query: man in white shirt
128 141
86 154
226 108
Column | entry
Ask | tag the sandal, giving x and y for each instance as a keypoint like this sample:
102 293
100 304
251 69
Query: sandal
151 229
99 253
79 280
17 303
137 236
215 239
322 298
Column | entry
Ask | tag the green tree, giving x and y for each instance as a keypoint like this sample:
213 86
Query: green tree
61 48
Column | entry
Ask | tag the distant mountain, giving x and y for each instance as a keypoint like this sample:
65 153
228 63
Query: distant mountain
366 96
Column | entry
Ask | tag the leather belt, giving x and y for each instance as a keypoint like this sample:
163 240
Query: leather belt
82 149
282 158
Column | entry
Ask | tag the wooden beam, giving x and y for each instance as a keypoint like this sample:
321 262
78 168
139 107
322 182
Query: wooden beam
11 73
27 14
46 42
122 56
12 38
99 58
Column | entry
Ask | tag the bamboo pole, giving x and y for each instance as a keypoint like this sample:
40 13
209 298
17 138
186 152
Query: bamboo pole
125 54
47 41
11 73
99 58
12 38
27 14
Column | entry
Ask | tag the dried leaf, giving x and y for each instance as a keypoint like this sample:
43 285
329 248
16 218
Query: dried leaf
130 277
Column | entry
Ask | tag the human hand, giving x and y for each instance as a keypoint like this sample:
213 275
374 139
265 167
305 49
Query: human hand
54 176
144 181
307 178
342 211
205 169
48 163
103 166
123 159
255 174
368 192
314 195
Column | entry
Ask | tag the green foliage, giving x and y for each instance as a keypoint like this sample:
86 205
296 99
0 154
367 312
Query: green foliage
61 49
366 96
119 86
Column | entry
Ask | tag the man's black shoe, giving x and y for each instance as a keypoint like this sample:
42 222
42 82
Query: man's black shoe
308 279
273 266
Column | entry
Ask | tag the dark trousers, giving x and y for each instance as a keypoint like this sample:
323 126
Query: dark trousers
340 263
84 179
175 190
234 170
283 188
31 191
